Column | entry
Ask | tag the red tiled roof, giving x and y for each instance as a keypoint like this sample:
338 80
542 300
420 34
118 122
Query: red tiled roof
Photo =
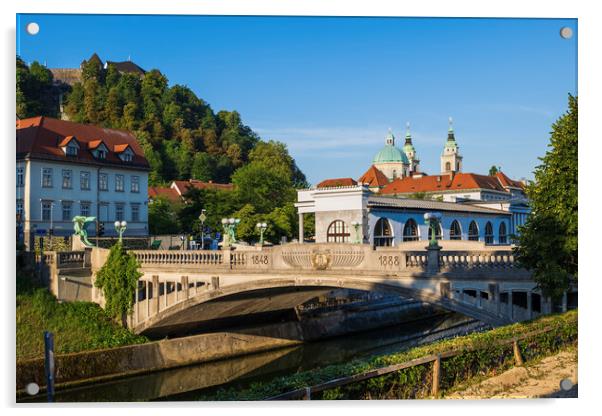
439 183
120 148
40 137
168 193
331 183
506 181
94 144
181 187
66 141
374 177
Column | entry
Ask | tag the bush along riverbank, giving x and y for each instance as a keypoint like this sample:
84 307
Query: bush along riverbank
77 326
482 354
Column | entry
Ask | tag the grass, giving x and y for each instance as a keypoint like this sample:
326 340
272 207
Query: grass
462 370
77 326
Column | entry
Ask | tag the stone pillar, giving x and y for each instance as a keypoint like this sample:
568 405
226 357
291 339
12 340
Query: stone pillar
184 283
529 305
432 264
156 292
301 233
564 302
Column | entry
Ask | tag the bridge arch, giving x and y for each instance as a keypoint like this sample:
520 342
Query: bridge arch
178 311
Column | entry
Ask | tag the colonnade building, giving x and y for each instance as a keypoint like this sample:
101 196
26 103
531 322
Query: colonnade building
386 205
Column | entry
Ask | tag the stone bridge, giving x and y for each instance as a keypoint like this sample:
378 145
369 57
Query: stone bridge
181 288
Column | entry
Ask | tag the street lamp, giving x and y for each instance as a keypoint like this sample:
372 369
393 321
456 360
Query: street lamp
120 228
261 226
229 225
203 217
432 219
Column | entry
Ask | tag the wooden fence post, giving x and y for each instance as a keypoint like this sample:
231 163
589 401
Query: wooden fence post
436 375
517 356
307 394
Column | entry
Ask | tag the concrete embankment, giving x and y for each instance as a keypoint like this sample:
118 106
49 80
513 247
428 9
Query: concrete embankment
99 365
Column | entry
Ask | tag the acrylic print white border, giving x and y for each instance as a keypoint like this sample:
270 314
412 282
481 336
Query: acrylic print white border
590 71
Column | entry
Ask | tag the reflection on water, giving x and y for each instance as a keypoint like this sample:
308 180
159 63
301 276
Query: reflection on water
185 383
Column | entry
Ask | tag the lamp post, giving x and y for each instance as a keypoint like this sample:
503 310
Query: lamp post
261 226
432 219
203 217
120 228
356 225
229 225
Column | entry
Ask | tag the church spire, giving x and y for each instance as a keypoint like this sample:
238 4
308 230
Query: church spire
389 138
408 135
450 130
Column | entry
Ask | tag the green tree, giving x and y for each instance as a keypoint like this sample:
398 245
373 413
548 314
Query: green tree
493 170
162 217
118 278
547 244
262 187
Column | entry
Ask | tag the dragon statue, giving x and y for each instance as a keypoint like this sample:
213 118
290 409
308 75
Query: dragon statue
79 226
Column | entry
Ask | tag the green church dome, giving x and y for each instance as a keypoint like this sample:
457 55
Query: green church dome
390 153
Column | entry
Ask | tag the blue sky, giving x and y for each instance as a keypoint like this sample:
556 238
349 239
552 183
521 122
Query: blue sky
331 87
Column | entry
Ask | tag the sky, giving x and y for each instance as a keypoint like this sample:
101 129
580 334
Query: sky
331 87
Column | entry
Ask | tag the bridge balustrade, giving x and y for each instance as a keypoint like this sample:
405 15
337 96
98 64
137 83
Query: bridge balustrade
466 260
69 259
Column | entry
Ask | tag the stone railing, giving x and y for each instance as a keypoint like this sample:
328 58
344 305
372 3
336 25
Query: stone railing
171 257
416 259
330 257
470 260
70 259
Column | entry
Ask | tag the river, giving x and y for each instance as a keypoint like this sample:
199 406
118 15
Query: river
189 383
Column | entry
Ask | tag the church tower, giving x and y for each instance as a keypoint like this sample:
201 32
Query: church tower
410 151
390 160
451 160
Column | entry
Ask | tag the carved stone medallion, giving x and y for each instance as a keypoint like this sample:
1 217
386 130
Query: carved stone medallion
321 260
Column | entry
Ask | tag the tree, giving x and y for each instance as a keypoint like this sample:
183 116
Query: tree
493 170
118 278
547 244
262 187
162 217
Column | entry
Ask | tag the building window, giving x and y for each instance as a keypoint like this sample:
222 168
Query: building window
84 181
135 212
84 209
20 177
103 182
119 212
101 154
503 236
447 166
119 183
46 177
66 205
488 233
67 183
46 210
438 234
410 231
383 237
72 150
126 157
20 208
135 184
337 232
473 231
455 233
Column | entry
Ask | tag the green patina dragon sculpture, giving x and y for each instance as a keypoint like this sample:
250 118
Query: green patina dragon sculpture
79 226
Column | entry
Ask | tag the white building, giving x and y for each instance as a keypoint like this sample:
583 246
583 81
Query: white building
356 214
387 203
66 169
